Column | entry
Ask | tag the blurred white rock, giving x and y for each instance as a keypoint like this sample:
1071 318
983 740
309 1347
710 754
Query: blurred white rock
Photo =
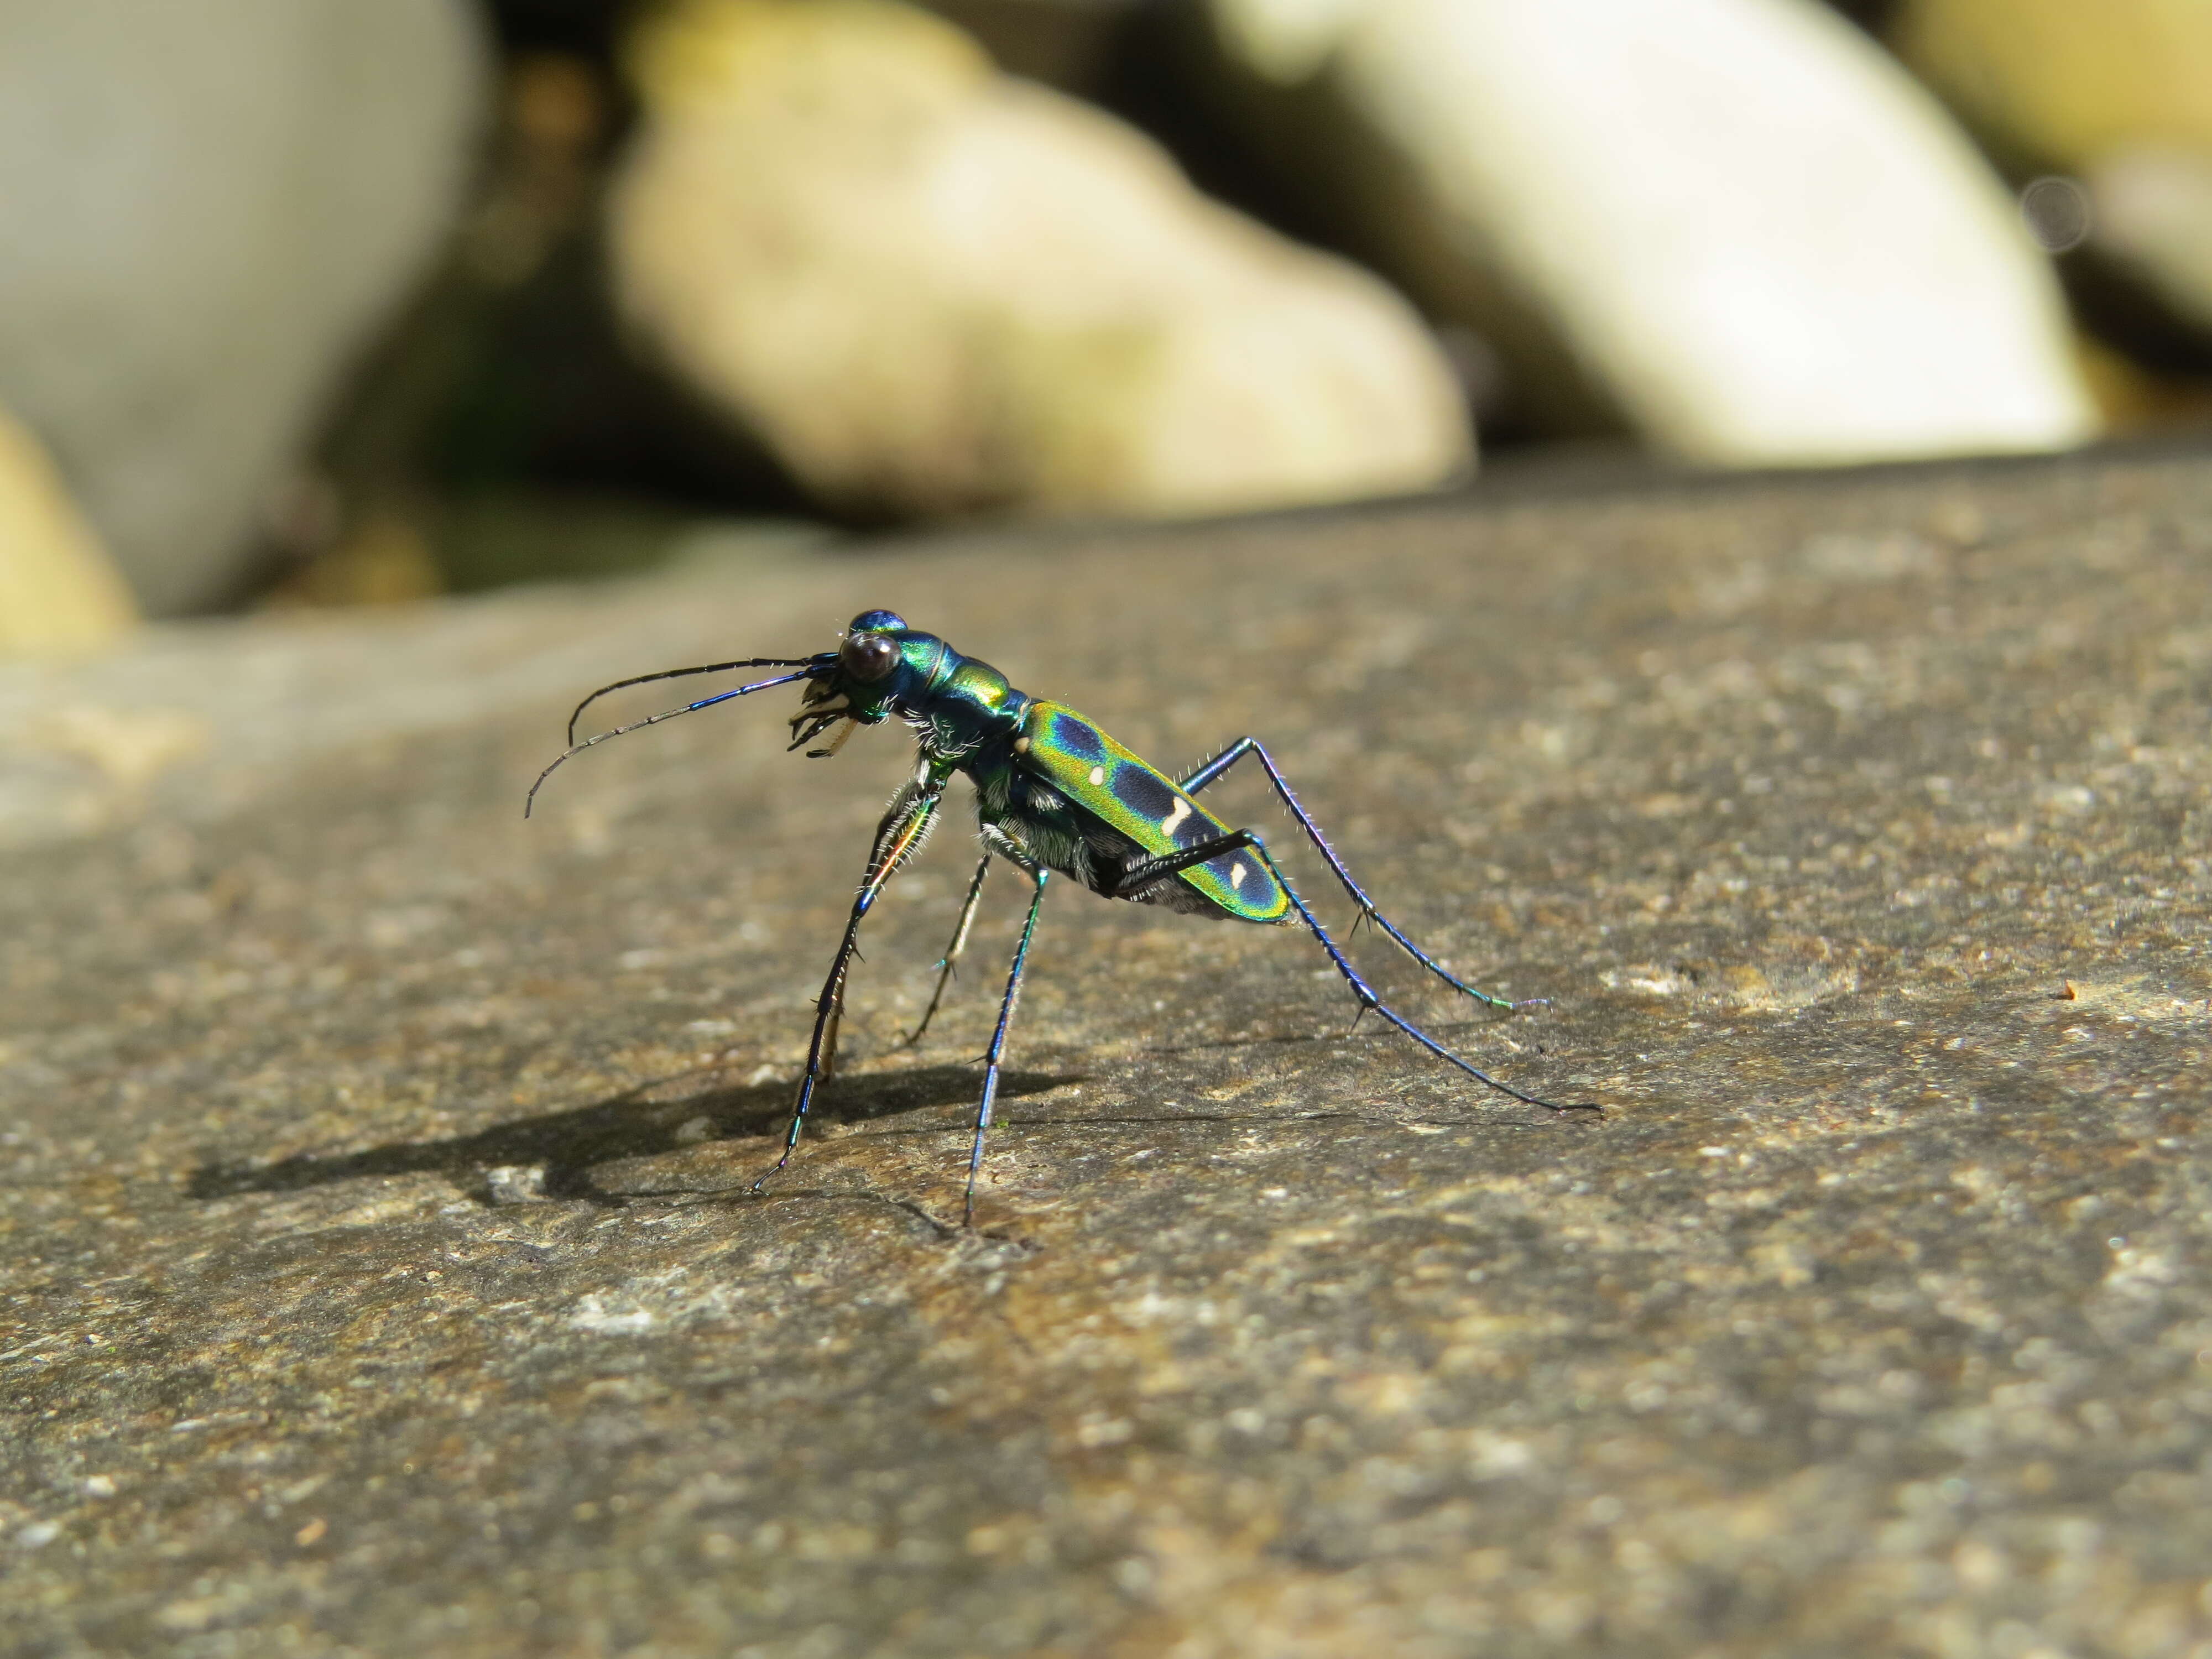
1737 224
931 288
207 206
2150 211
2116 96
58 592
2059 84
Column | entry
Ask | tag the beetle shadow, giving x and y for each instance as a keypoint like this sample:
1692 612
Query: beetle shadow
569 1144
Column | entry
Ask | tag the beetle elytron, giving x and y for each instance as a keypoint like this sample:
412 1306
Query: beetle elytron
1052 793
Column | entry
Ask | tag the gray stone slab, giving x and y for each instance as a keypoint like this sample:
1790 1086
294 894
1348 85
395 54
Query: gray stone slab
381 1274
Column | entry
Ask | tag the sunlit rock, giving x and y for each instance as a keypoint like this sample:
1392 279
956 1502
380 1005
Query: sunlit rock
210 208
1735 224
2058 83
931 289
59 592
2151 212
2114 99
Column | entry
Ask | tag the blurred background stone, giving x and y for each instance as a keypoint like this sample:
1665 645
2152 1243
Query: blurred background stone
2118 98
1078 46
59 592
1734 225
933 290
2050 83
491 418
2150 210
507 427
211 207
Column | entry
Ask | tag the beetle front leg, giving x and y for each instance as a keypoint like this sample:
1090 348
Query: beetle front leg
897 837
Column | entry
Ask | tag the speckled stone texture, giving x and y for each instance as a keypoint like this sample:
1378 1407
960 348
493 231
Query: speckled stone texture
381 1272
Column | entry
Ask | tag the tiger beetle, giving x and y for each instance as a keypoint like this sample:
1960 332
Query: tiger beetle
1052 793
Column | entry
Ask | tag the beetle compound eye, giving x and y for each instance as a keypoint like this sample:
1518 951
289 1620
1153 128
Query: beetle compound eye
867 657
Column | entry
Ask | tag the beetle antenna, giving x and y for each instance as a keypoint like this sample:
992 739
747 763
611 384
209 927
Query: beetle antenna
665 715
703 668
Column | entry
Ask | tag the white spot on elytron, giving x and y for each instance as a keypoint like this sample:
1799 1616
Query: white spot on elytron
1237 875
1021 745
1182 811
1097 777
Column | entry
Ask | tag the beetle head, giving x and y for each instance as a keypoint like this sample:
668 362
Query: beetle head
879 665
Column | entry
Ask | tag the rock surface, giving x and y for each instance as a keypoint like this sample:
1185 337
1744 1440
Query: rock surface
379 1269
929 289
59 592
211 206
1735 224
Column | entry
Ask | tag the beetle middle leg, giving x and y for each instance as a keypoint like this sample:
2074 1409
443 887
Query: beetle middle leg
1228 757
951 957
1036 873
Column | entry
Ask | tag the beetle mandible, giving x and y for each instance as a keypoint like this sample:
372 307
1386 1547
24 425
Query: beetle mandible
1052 793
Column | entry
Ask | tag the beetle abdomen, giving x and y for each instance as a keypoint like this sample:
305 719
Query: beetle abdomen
1137 803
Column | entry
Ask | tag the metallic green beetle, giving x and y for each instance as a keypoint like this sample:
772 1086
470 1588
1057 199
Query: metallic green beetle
1052 793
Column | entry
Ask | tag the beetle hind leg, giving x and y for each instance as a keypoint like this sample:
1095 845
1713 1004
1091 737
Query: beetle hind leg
1212 770
1370 1002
